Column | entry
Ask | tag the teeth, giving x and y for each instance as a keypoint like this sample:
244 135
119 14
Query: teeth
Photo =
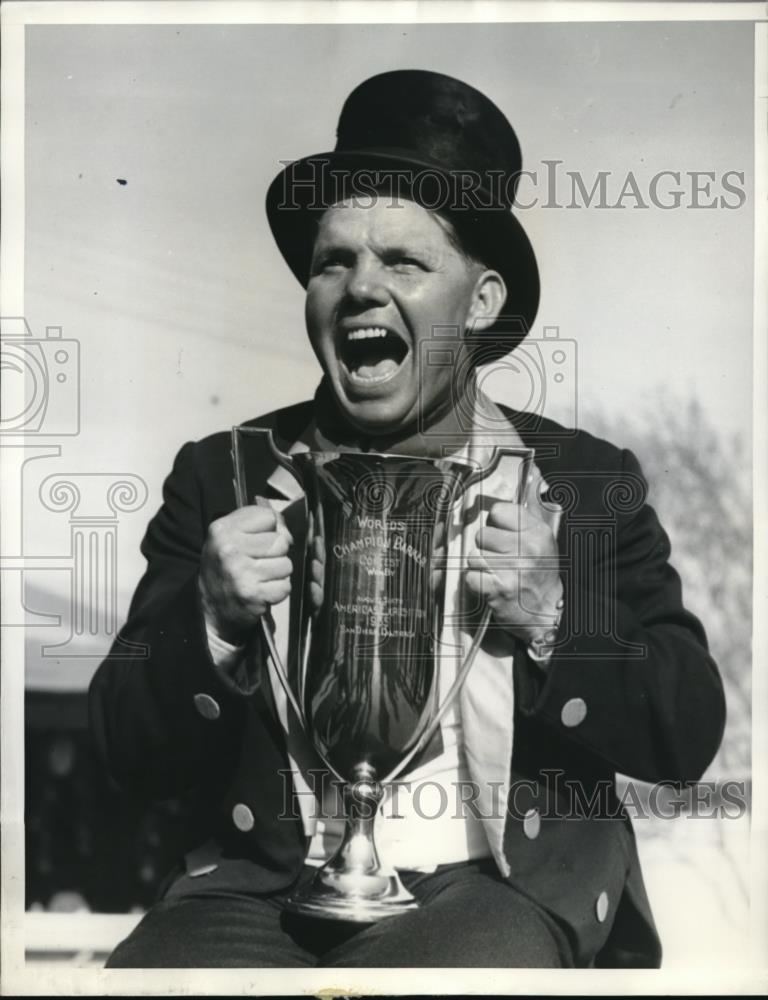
367 333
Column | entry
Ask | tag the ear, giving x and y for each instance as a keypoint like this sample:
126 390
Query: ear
488 298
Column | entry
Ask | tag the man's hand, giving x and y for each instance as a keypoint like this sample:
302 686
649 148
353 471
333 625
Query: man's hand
244 569
515 566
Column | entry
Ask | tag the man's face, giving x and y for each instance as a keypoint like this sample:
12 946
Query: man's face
381 278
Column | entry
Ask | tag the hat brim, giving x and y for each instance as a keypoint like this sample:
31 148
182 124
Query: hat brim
306 187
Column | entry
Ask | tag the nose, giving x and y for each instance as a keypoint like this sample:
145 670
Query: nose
366 284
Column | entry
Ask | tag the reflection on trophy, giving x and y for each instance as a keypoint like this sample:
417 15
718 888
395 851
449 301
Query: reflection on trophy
367 691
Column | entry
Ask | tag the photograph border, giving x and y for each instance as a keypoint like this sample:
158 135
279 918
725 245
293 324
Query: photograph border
20 978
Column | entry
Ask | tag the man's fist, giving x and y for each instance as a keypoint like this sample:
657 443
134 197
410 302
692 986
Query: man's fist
244 568
515 567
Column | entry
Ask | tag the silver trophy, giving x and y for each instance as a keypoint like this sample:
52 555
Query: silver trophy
367 687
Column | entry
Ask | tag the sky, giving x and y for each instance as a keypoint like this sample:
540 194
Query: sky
187 319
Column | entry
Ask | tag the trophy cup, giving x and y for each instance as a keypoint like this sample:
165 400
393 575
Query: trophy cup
367 690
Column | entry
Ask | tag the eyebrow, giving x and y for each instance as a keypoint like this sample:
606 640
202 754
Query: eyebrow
335 244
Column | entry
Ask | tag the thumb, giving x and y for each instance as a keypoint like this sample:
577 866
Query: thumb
280 526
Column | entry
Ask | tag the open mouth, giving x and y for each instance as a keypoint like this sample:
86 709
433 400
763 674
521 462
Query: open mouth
372 354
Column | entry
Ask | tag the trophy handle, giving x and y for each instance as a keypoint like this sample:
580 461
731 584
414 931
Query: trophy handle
477 476
243 499
238 458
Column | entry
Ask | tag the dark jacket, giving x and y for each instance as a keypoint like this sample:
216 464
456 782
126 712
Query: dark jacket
630 689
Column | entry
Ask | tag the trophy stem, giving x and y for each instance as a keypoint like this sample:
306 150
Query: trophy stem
353 885
361 801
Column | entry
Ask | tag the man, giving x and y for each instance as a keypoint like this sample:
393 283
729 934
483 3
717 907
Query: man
592 666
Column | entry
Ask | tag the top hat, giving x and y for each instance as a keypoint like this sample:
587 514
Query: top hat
439 142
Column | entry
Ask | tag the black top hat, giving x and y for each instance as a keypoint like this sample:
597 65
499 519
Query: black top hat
445 145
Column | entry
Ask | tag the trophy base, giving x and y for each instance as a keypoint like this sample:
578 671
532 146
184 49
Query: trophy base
356 898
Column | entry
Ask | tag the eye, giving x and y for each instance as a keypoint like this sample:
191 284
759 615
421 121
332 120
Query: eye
405 262
333 264
329 263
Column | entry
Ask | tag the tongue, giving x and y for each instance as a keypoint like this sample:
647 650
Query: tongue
378 369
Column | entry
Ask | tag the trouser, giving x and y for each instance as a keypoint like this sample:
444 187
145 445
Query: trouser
467 917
